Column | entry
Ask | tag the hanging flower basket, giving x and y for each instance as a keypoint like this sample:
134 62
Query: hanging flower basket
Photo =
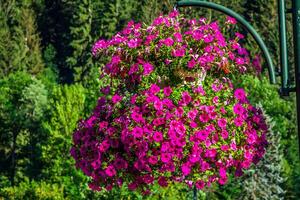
169 111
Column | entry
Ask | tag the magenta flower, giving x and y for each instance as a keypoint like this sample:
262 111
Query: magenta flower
225 148
186 98
132 186
137 117
94 187
153 160
158 105
179 52
200 184
239 35
238 121
162 181
231 20
148 68
191 64
165 147
193 124
197 35
216 100
110 171
120 163
104 146
208 38
133 69
180 128
222 172
167 91
224 134
186 170
239 61
99 45
240 94
178 37
194 158
211 153
116 98
103 125
166 157
202 135
223 181
192 114
204 118
222 123
137 132
154 89
238 109
168 42
133 43
115 60
157 136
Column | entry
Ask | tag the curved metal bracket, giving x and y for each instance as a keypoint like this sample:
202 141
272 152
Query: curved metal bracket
242 21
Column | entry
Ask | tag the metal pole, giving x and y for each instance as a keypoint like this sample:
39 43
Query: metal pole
296 33
195 193
283 49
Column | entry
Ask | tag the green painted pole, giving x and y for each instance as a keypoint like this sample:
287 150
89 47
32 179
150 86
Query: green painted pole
285 89
296 33
195 193
242 21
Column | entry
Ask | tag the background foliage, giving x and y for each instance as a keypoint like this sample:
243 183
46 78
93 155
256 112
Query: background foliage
49 80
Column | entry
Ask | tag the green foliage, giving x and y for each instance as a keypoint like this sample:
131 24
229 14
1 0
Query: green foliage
152 8
11 120
80 59
262 14
114 15
50 73
19 41
23 101
31 190
66 108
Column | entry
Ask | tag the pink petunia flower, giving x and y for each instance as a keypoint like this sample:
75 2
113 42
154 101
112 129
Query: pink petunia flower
178 37
186 98
179 52
148 68
240 94
157 136
168 42
116 98
110 171
167 91
166 157
137 132
238 121
222 123
186 170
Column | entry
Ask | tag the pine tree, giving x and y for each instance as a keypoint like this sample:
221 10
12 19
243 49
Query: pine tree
80 60
19 42
114 15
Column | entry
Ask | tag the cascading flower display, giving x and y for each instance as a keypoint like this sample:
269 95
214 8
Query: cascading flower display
170 111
